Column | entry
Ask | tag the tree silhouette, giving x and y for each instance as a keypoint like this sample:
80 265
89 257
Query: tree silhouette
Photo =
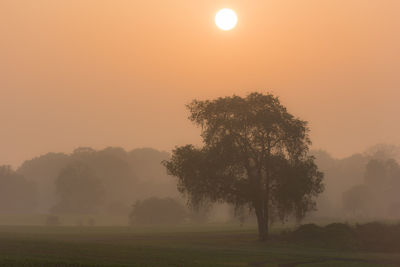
17 194
255 154
79 190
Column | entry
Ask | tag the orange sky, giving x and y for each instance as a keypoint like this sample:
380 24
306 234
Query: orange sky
119 72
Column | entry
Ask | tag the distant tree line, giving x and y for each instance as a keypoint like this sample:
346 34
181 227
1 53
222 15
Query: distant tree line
255 157
17 194
361 186
85 181
378 196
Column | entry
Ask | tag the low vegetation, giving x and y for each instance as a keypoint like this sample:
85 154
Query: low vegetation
376 237
210 245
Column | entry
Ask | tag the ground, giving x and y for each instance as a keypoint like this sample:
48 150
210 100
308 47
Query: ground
212 245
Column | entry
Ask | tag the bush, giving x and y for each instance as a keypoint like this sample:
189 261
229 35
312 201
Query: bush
379 237
340 235
307 233
336 235
373 236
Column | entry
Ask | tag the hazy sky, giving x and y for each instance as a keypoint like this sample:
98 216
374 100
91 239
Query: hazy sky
119 72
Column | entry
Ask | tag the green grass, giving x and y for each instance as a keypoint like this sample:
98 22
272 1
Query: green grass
216 245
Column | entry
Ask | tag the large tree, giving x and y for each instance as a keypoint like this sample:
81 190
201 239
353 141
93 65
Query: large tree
254 154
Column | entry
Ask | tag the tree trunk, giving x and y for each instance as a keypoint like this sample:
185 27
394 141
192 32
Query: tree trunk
266 212
266 220
261 204
262 224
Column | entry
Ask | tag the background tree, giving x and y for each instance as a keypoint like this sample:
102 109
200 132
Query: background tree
17 195
382 173
117 176
339 176
255 154
383 179
377 195
383 152
43 171
126 176
78 189
152 179
358 200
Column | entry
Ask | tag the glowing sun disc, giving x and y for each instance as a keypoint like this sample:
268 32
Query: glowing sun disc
226 19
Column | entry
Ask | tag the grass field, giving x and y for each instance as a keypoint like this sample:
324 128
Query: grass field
214 245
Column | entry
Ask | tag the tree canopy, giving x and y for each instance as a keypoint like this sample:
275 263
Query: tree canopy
17 194
126 176
254 154
79 189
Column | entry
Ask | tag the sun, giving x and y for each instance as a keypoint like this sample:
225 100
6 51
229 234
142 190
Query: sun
226 19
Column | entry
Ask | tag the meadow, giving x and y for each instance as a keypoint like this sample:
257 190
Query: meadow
210 245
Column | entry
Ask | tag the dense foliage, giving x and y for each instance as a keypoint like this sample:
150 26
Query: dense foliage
373 236
123 176
17 194
79 190
377 195
255 154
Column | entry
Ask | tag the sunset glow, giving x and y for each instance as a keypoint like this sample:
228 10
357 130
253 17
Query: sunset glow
98 66
187 133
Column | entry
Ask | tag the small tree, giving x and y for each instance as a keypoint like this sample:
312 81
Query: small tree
255 154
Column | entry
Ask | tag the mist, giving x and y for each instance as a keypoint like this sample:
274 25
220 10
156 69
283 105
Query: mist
106 185
97 74
145 133
361 187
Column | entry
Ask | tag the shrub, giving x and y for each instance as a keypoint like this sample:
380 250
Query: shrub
379 237
340 235
336 235
307 233
372 236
